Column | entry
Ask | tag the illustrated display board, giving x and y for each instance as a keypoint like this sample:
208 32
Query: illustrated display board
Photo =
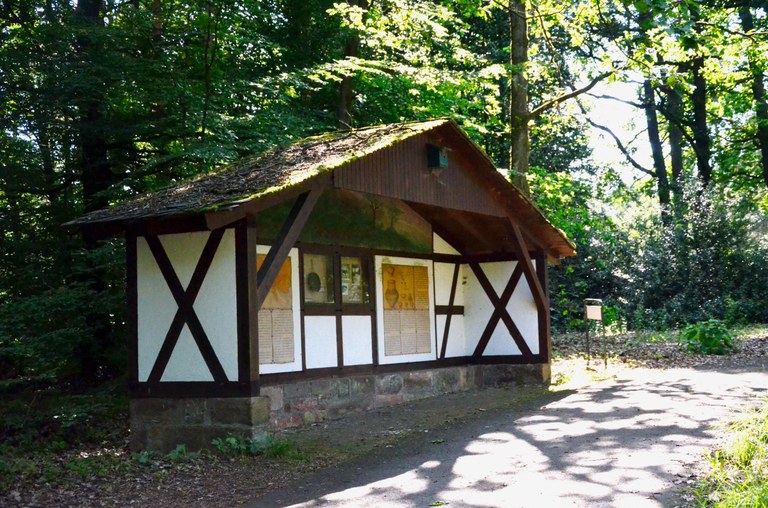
276 336
353 286
407 323
318 278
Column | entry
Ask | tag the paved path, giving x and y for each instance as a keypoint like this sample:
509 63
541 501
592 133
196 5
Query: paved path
628 442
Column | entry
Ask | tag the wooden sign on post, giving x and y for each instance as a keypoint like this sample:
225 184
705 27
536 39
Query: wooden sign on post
593 311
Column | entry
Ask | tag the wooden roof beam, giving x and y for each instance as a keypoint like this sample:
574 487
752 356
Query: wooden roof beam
289 233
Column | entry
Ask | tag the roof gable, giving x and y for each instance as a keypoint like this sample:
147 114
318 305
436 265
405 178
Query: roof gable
388 160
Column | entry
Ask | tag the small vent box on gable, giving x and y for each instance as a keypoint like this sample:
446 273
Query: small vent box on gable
437 157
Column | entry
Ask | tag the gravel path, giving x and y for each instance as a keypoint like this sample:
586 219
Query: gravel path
629 441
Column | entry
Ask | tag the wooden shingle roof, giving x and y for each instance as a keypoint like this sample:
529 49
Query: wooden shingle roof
360 156
255 177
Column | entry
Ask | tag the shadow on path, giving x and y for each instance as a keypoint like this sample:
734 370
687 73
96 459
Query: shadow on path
625 442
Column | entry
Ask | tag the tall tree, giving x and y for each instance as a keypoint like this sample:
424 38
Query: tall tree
756 70
519 142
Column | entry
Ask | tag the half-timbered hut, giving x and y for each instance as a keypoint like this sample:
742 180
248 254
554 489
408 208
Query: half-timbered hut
347 271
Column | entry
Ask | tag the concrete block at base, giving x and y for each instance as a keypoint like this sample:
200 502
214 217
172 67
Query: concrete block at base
260 410
495 375
162 424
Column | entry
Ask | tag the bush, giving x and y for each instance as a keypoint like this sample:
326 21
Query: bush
708 337
264 445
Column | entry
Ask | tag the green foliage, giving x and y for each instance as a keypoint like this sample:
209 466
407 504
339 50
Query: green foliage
145 458
52 420
710 337
739 471
72 332
264 445
599 269
708 265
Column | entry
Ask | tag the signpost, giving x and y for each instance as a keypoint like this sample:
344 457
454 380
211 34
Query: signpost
593 311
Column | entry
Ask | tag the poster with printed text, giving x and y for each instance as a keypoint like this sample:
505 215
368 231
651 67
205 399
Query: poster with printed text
276 334
405 295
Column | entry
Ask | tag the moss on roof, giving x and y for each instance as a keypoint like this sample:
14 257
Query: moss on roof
255 177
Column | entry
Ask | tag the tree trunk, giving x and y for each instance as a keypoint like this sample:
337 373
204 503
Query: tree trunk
96 174
675 133
157 20
701 139
659 166
702 143
758 94
346 90
519 144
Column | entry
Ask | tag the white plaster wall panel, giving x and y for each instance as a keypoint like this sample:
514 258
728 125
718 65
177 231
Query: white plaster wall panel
184 251
295 366
477 309
522 308
420 357
502 343
456 346
498 274
440 246
156 308
443 280
216 305
357 336
186 362
320 340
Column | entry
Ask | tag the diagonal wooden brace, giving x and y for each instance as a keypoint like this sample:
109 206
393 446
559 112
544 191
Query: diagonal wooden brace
499 311
279 251
524 259
185 314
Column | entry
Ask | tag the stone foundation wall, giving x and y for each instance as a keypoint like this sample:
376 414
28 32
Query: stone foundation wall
163 423
306 402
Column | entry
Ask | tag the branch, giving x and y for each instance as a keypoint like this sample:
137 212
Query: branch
570 95
549 41
754 36
618 142
617 99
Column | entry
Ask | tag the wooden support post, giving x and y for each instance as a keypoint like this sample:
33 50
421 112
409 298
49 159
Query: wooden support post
451 301
524 258
247 321
545 317
132 311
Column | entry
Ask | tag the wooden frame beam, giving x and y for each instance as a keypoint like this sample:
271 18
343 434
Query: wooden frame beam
279 251
524 259
449 314
545 315
132 301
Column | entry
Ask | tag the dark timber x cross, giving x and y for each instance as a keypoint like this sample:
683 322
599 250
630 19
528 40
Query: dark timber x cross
185 299
499 310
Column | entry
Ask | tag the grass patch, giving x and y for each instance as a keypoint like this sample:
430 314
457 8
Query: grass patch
739 470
